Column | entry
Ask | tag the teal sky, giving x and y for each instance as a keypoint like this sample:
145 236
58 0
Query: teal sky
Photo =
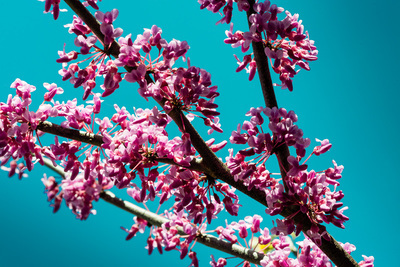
350 96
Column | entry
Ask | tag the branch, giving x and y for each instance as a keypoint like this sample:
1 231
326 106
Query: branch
86 137
205 239
157 220
282 151
212 166
331 248
97 140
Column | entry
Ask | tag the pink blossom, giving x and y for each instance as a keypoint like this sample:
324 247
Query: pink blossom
53 90
324 147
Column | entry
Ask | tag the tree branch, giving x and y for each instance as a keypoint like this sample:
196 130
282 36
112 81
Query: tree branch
86 137
157 220
205 239
97 140
331 248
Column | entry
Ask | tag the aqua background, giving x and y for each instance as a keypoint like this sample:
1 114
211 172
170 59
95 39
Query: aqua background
350 96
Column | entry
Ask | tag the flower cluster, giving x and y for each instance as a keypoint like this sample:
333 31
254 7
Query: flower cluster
284 40
15 168
259 142
175 234
140 144
17 123
132 145
99 66
187 89
307 189
78 193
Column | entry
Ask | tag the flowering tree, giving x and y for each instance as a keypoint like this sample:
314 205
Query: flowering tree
182 173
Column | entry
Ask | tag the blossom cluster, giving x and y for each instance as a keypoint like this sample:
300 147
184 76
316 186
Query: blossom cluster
178 232
78 194
307 189
284 41
175 234
277 247
187 89
132 145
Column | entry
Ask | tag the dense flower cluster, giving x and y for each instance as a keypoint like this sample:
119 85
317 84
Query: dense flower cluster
187 89
262 143
277 248
284 40
307 189
132 145
17 123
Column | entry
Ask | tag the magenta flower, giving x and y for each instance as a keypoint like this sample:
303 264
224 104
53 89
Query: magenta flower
106 26
56 7
324 147
220 263
367 262
285 227
51 187
85 43
66 57
53 90
265 237
227 233
296 167
23 89
241 227
78 27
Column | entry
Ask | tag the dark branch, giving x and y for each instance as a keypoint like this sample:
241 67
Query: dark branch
89 138
331 248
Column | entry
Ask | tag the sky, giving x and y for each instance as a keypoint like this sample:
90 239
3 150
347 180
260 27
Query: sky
350 97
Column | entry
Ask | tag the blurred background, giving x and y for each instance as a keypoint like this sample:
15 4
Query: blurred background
350 96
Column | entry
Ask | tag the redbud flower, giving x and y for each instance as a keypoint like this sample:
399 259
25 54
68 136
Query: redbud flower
324 147
56 7
106 26
53 90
